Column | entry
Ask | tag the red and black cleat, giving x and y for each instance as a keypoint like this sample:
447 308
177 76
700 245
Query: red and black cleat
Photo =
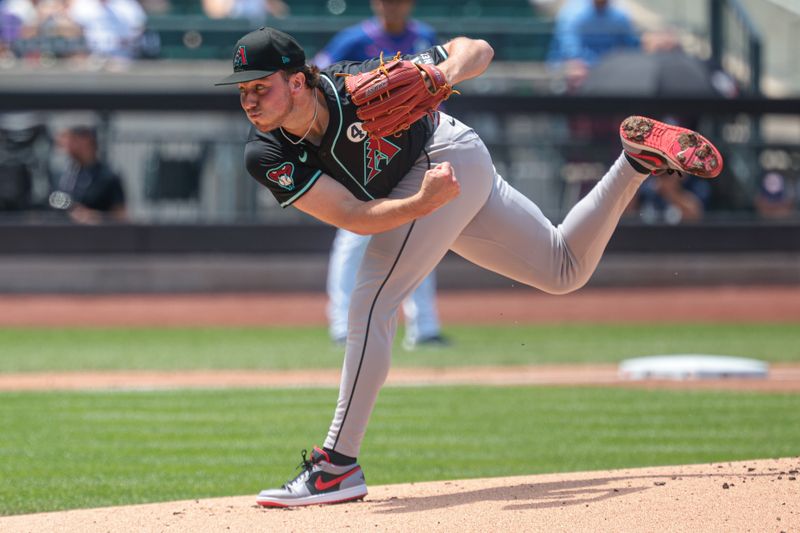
319 482
661 148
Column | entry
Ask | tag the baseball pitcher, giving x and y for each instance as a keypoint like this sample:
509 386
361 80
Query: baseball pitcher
361 146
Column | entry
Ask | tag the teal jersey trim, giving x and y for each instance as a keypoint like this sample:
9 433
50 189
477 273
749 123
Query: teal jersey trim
303 190
442 51
336 138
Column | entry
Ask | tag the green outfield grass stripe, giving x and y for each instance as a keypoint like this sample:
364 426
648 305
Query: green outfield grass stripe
66 450
36 350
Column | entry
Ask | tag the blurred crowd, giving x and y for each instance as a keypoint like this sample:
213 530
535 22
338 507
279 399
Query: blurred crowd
108 30
105 33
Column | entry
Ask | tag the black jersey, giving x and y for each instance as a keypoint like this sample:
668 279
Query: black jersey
368 168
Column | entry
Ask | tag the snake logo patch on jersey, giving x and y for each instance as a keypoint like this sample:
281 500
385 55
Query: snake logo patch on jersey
240 58
377 155
282 175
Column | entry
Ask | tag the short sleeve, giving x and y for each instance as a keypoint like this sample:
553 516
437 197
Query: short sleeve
431 56
283 174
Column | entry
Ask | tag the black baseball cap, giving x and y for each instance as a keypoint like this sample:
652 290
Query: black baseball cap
263 52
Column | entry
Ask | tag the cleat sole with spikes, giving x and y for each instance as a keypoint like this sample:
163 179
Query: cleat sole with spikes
661 148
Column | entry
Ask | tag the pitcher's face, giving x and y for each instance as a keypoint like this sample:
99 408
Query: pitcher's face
267 101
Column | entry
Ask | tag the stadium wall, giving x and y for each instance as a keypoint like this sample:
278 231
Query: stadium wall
251 258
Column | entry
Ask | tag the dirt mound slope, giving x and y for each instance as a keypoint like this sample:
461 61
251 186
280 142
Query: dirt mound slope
759 495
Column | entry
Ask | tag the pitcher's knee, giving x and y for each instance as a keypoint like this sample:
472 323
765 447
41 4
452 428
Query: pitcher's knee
562 288
565 283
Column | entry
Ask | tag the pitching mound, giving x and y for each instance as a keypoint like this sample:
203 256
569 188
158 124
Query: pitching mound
759 495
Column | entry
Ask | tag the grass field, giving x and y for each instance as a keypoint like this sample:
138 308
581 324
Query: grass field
67 450
63 450
27 350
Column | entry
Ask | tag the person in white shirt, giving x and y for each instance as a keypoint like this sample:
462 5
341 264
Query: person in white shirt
112 28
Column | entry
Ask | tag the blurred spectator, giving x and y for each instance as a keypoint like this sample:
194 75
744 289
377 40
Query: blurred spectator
775 198
23 10
88 189
590 29
10 26
156 7
390 31
585 31
112 28
672 199
44 29
255 10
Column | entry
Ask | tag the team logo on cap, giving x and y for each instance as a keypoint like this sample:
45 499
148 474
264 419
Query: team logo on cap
282 175
240 57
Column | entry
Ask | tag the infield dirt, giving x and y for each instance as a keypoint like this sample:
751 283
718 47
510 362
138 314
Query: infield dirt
523 305
743 496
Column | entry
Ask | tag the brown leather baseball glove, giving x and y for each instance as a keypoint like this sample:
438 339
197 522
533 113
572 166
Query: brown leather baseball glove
396 94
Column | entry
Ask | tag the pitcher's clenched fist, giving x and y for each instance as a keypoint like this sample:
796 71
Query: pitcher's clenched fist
439 186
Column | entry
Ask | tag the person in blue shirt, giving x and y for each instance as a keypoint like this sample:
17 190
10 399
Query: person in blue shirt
388 32
589 29
585 31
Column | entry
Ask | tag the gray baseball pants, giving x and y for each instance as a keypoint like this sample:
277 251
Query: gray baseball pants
490 224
